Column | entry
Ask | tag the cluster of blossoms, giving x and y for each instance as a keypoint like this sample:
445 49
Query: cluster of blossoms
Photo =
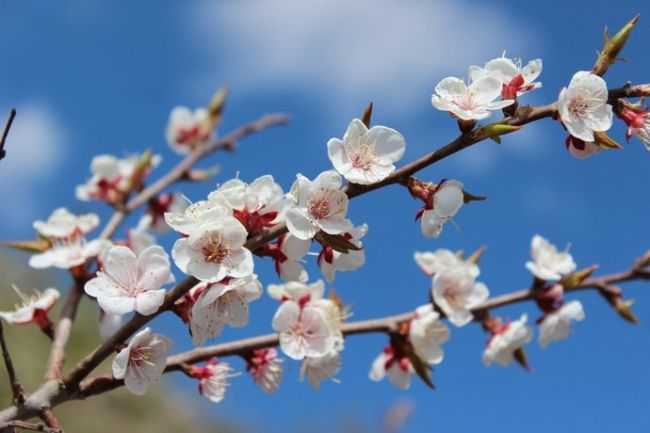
216 234
456 294
67 246
500 77
310 328
113 178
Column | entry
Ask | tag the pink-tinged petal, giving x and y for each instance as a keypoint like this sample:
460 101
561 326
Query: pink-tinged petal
431 224
233 309
299 225
328 271
459 316
116 304
335 224
120 263
338 156
243 263
398 377
389 144
354 133
327 180
293 271
486 89
295 248
147 303
450 88
154 268
287 315
102 285
43 260
120 362
378 368
532 70
502 68
600 119
47 299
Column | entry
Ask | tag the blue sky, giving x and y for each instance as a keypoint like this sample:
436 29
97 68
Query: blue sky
91 77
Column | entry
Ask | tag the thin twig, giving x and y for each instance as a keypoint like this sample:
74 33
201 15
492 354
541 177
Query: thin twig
17 389
10 121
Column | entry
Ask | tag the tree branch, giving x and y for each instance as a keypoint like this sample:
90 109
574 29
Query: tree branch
17 389
10 121
524 115
101 384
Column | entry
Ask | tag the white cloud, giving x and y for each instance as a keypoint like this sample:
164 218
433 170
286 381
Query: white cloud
35 149
352 51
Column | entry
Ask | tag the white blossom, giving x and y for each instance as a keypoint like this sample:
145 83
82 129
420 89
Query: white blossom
266 369
319 369
213 379
456 292
214 250
297 291
317 205
111 177
304 330
288 263
330 260
68 246
63 224
556 326
366 156
443 260
398 369
223 303
472 102
130 282
427 333
154 218
502 345
33 309
142 362
583 106
187 129
516 80
548 263
445 202
196 214
257 205
581 149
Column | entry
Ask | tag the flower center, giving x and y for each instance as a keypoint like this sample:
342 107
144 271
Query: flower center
214 251
582 105
363 157
141 355
319 207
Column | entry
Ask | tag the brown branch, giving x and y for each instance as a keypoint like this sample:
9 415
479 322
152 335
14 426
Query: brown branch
62 332
50 420
23 425
525 115
10 121
17 389
101 384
